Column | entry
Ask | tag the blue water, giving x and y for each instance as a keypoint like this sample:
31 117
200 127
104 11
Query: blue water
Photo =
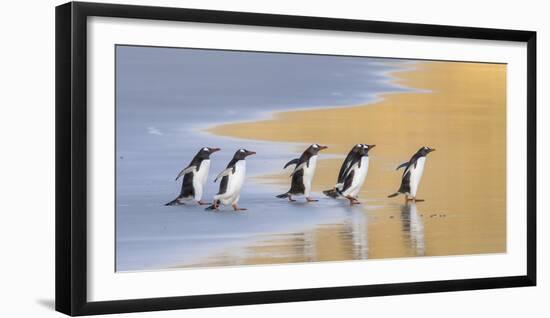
165 96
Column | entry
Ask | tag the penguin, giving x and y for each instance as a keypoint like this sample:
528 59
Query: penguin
352 174
345 165
303 173
412 174
232 179
194 177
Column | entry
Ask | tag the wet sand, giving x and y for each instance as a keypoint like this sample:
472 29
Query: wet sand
461 112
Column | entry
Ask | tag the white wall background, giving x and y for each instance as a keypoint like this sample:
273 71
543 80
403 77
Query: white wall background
27 157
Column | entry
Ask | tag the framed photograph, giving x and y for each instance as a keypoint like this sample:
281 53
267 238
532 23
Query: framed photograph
210 158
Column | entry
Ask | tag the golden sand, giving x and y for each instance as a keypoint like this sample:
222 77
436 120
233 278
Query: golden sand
461 112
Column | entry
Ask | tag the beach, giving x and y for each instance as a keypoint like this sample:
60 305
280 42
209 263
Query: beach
459 109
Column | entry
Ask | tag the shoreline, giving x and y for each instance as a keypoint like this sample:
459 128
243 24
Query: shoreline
393 79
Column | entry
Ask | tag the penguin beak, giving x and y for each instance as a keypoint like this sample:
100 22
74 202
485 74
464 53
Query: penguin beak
432 149
249 153
212 150
322 147
372 146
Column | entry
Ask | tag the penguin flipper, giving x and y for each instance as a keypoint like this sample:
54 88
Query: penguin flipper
292 162
282 196
224 173
348 181
350 171
186 171
405 183
298 168
403 165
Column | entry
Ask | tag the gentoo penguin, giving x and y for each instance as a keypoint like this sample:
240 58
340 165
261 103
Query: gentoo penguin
352 174
352 155
412 174
232 179
303 173
194 177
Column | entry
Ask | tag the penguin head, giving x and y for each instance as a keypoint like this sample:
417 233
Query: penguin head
243 153
315 148
206 152
366 148
425 150
358 148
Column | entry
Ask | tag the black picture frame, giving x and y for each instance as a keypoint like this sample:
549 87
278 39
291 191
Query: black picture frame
71 157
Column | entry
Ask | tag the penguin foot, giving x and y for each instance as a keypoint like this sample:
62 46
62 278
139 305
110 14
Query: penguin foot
202 203
215 206
332 193
175 202
236 209
311 200
352 200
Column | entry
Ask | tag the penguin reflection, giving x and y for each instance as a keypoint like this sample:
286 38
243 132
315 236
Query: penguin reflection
194 177
356 228
414 168
232 179
413 227
303 173
352 174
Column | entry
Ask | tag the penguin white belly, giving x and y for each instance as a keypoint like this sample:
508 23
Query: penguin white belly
200 177
416 175
309 173
234 184
359 176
